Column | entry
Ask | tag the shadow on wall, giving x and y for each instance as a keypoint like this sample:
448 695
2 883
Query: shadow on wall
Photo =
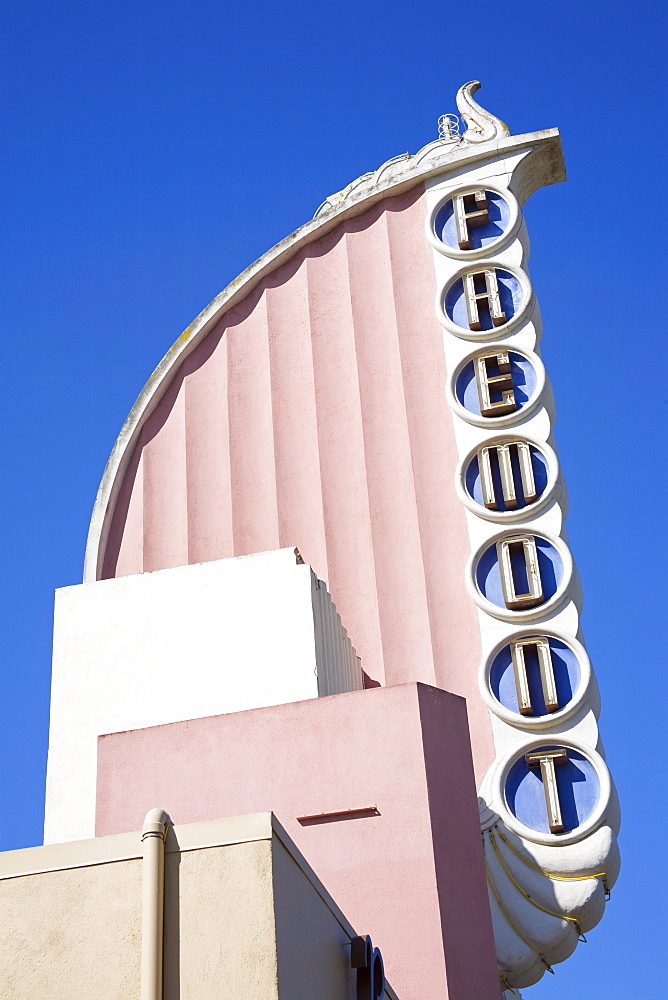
172 927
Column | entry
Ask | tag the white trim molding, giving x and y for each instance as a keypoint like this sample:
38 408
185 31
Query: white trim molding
529 614
521 513
509 232
545 888
532 723
541 163
506 419
482 336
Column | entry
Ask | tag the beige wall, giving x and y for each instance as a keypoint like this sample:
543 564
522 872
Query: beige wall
245 919
72 935
313 946
219 924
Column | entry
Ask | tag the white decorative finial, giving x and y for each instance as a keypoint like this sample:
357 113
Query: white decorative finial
481 125
448 127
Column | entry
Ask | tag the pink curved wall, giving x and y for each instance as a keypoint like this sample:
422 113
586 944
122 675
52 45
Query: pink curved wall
315 415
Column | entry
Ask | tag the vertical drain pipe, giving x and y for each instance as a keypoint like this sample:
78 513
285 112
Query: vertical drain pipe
154 834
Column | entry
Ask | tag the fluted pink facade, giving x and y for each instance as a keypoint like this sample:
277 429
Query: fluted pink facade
314 415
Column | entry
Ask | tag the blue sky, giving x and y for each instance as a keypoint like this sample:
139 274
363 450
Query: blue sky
151 151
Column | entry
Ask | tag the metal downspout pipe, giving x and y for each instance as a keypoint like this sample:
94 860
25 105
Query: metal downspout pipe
154 835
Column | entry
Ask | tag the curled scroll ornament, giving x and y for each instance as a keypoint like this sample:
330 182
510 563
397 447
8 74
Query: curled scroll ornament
482 126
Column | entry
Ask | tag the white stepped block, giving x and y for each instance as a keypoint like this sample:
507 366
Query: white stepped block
178 644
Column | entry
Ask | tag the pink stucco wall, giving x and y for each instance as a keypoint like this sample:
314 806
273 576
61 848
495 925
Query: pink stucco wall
411 876
315 415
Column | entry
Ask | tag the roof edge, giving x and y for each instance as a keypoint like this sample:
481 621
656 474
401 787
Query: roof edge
404 175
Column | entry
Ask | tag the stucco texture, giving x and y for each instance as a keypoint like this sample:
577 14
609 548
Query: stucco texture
219 924
179 644
242 921
410 873
72 935
313 947
314 415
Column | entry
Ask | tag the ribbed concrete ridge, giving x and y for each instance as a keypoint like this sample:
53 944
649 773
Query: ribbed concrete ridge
314 415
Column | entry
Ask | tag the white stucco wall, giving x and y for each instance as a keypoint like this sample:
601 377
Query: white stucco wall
180 644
